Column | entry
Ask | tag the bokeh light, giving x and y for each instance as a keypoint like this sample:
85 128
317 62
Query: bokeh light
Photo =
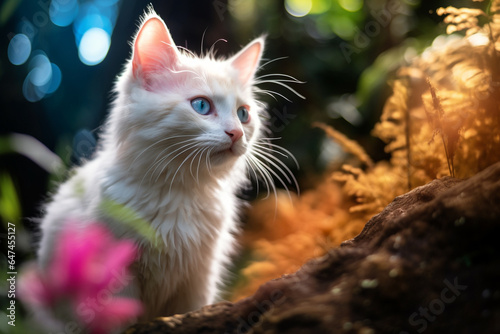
90 16
320 6
55 80
351 5
30 91
242 10
478 39
93 28
19 49
298 8
107 2
63 12
41 71
344 27
44 78
94 46
92 22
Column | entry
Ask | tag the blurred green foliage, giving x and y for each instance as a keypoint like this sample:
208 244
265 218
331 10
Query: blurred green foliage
10 208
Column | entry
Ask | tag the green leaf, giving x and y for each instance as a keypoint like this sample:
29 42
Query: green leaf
10 207
129 217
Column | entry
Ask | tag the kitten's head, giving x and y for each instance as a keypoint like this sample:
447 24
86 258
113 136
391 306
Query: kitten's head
176 109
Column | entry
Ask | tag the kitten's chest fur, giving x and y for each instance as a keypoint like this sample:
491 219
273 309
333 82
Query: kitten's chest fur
193 228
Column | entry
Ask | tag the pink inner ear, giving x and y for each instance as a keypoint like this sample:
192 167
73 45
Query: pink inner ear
153 48
246 61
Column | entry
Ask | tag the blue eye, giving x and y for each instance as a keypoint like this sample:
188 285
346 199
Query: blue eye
201 105
243 114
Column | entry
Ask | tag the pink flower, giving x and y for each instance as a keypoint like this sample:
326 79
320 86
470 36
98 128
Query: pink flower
88 268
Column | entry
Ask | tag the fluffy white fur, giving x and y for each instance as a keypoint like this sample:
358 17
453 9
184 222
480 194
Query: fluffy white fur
178 171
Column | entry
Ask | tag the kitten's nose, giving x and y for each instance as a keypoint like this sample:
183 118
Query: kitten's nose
234 134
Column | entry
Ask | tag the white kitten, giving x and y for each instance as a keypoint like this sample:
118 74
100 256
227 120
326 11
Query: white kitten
175 152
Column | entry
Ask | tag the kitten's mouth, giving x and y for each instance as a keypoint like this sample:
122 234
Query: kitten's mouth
230 151
236 150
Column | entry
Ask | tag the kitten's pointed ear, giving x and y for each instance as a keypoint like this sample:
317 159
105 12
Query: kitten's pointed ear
154 48
247 60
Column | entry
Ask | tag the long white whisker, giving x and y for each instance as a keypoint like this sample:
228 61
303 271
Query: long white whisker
271 150
198 151
258 82
157 161
265 175
270 61
271 93
202 40
178 168
281 167
286 153
189 147
185 142
156 143
276 175
264 140
284 85
186 50
212 52
199 163
269 158
264 171
207 161
292 79
250 165
278 164
261 104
